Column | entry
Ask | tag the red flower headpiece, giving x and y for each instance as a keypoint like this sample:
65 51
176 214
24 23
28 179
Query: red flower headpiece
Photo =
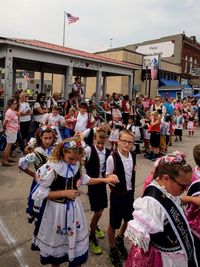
172 158
74 144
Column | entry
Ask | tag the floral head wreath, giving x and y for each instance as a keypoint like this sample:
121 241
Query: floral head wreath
74 144
44 128
173 158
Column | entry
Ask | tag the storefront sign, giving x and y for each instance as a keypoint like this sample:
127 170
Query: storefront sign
164 49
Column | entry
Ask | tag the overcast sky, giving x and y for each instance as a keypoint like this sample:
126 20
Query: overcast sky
125 22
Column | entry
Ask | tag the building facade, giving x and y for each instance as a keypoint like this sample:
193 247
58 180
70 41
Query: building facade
181 51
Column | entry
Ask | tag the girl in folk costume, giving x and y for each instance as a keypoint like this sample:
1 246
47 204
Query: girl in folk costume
146 123
178 125
191 123
70 119
160 232
61 232
54 119
42 147
193 200
115 127
84 119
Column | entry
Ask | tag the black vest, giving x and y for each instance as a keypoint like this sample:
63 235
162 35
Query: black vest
62 183
41 160
93 164
167 240
120 188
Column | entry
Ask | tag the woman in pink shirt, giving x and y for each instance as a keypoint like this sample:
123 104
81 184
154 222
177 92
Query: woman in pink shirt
11 127
178 105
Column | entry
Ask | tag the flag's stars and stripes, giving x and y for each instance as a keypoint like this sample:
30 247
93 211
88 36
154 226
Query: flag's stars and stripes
71 18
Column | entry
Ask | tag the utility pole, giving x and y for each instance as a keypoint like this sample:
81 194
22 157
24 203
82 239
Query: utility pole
146 78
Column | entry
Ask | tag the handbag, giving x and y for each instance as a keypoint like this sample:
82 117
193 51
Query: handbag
3 141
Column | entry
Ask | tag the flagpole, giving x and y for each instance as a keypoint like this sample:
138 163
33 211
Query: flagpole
64 30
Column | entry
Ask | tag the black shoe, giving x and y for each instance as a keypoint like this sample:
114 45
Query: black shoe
155 157
115 258
161 154
152 156
148 155
122 249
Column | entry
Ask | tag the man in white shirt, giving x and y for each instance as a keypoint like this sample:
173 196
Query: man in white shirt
77 89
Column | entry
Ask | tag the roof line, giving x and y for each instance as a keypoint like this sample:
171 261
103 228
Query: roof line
66 50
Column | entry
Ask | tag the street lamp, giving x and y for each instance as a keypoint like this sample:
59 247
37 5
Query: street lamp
146 77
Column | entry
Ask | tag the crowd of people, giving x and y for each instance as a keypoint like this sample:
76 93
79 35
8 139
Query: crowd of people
72 146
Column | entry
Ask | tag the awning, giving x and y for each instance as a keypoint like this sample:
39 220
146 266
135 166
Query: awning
166 88
197 95
187 86
170 83
166 85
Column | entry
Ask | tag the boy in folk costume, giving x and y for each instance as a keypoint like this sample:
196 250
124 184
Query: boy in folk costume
122 163
96 156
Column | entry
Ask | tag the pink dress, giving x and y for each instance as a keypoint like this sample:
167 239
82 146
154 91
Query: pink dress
138 258
149 218
193 211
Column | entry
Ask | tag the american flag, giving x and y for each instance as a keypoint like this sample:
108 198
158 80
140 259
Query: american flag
154 69
26 76
71 18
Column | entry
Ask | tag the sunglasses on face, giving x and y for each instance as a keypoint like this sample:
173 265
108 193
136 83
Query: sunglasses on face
182 186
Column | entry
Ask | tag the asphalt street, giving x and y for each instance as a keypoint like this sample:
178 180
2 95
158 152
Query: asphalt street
16 233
